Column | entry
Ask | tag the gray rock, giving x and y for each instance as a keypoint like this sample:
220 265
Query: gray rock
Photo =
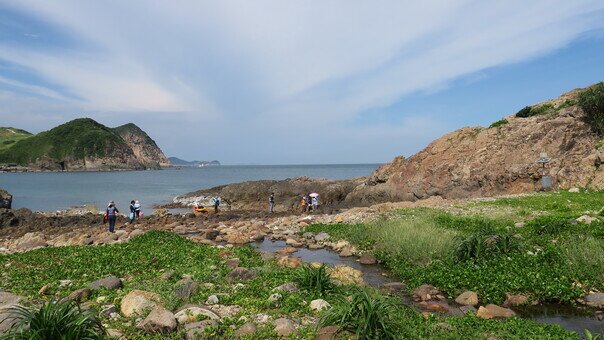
212 300
246 329
167 275
308 235
321 237
275 297
160 320
394 287
284 327
594 299
289 287
241 274
468 309
195 330
186 288
7 317
109 282
80 295
192 313
367 259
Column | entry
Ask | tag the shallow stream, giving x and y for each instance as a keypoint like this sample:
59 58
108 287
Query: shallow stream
570 317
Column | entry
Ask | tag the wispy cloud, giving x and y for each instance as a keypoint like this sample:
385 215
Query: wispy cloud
290 67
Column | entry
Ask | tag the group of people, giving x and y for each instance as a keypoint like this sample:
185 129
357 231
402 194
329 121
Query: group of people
215 201
112 212
309 202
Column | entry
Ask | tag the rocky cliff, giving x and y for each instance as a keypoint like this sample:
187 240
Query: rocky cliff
6 199
144 148
501 159
84 144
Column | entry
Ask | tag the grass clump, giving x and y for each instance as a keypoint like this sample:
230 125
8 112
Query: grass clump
485 244
529 111
591 102
498 123
315 281
55 320
366 314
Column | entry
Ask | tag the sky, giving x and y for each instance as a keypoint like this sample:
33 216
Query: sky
291 82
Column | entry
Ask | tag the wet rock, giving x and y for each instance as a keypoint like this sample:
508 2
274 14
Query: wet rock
193 313
195 330
594 300
109 282
138 301
346 252
319 305
467 298
293 243
434 307
346 275
494 311
516 300
247 329
599 315
321 237
289 287
286 251
160 320
425 292
367 259
284 327
289 262
80 295
394 287
315 246
241 273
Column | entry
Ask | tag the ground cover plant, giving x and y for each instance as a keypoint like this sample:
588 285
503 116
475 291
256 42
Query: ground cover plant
477 246
143 260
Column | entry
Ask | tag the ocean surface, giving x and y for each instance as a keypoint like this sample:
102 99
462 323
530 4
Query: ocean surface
50 191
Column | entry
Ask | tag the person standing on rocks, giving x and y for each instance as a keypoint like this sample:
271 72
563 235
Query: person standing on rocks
111 213
216 202
132 211
137 210
271 202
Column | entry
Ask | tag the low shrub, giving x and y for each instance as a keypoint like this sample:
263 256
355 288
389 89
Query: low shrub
551 225
498 123
524 112
529 111
591 102
55 320
485 245
315 281
367 315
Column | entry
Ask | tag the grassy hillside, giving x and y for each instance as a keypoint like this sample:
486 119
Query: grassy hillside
76 139
9 136
131 128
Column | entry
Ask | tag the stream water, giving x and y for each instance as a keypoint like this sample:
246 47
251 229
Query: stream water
570 317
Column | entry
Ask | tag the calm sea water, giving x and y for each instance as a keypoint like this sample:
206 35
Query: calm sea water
55 190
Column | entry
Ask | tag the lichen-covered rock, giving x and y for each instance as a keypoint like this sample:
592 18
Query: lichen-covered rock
138 301
467 298
160 320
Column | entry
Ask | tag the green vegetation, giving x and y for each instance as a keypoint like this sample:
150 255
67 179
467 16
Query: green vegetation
143 260
498 123
9 136
524 112
55 320
529 111
76 139
476 246
591 100
315 281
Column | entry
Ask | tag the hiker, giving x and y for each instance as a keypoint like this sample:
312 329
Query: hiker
132 211
216 202
111 214
303 203
315 202
271 202
309 202
137 210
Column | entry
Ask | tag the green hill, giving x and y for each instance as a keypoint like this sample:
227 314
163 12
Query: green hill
9 136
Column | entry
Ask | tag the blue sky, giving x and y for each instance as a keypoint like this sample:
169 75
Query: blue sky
281 82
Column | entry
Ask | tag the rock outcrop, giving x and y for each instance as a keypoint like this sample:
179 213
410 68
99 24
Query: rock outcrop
478 162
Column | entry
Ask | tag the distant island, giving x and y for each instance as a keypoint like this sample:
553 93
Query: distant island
181 162
81 144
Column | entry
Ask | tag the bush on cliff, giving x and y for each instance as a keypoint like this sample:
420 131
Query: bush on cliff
592 102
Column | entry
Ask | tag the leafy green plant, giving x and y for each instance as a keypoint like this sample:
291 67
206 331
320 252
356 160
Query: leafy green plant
524 112
367 315
529 111
567 103
591 101
315 280
498 123
55 320
549 225
485 244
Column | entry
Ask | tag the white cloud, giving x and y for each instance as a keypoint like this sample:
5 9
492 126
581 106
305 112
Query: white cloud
260 66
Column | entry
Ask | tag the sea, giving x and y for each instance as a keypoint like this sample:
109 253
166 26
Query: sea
52 191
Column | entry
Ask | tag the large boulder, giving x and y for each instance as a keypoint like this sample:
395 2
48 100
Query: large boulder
594 300
108 282
346 275
138 301
160 320
7 317
6 199
467 298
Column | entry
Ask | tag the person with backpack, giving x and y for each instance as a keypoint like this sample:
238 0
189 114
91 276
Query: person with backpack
216 203
271 202
137 210
111 214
